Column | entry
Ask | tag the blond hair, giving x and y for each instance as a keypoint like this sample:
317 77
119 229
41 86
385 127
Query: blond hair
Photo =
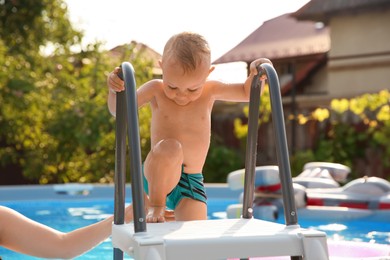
188 49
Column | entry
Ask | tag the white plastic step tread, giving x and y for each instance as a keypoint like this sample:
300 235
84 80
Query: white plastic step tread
219 239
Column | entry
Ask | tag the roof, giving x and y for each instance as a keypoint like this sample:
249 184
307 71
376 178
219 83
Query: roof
288 83
321 10
281 37
138 48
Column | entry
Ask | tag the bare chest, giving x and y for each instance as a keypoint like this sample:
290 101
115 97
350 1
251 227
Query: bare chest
181 122
191 120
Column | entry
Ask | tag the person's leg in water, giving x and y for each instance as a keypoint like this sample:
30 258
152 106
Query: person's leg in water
162 170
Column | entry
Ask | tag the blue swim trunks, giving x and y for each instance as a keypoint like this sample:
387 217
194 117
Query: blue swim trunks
190 186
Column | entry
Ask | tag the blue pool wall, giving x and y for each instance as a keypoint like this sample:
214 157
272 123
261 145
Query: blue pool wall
89 191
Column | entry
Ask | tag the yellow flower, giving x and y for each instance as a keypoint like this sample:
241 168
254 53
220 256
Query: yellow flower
339 105
302 119
357 105
240 129
320 114
383 113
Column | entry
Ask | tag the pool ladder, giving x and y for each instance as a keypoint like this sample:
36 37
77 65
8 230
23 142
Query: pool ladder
219 239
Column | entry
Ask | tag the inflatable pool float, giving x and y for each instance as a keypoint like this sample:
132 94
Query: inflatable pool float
317 193
267 192
266 177
336 171
370 193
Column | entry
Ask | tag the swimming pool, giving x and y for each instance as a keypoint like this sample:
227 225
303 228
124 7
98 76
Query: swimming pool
66 212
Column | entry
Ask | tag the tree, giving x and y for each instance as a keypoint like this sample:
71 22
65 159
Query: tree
28 26
54 123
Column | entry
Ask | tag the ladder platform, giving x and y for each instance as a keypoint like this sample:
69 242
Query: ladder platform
219 239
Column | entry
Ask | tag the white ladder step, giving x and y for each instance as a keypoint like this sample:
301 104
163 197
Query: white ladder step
219 239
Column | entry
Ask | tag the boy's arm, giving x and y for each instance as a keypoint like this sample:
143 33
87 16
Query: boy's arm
115 84
111 103
144 94
238 92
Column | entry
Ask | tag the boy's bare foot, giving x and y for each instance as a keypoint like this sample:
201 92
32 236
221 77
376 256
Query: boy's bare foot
155 214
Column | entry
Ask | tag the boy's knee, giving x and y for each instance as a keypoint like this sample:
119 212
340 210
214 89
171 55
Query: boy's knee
169 148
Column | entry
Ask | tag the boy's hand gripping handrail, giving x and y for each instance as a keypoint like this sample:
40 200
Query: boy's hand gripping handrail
281 145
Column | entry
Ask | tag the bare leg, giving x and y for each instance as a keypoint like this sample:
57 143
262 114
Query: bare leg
190 209
162 170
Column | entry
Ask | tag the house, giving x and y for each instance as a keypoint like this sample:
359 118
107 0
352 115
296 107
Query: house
298 51
359 57
325 50
128 51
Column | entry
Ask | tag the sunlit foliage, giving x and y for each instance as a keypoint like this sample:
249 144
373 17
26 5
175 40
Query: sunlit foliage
54 122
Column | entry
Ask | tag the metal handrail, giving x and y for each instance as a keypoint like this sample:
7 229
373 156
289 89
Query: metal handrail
290 212
127 111
127 118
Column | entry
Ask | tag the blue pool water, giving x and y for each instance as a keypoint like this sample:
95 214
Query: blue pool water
66 215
